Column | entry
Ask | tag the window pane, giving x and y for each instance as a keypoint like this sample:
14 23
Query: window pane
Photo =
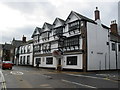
119 48
113 46
72 60
28 59
49 60
38 60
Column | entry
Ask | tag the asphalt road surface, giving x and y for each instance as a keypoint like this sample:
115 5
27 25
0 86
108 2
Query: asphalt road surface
29 77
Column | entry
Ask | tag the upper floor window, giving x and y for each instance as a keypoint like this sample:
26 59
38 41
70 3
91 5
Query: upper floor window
113 46
45 35
37 48
36 39
46 47
58 31
28 48
72 41
75 25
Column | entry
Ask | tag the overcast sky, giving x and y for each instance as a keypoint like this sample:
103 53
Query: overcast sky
20 17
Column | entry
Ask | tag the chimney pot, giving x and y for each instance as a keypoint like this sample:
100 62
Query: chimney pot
24 39
97 14
113 27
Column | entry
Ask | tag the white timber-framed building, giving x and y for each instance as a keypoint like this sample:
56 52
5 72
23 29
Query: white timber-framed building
80 43
84 44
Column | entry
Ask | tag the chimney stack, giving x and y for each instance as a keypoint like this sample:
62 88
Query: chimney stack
97 14
113 27
24 39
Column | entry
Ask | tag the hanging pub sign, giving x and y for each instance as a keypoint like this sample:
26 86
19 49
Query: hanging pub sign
56 54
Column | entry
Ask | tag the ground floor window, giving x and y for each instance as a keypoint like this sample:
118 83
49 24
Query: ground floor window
24 60
49 60
28 59
20 59
38 60
72 60
119 47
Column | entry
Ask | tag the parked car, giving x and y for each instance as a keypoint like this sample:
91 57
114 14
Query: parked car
7 65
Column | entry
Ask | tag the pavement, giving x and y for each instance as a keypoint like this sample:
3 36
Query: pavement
110 75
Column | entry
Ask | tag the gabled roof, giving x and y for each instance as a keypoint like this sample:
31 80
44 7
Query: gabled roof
79 16
48 25
17 43
36 29
61 20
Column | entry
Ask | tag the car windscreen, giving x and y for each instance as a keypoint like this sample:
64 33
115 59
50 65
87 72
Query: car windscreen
7 62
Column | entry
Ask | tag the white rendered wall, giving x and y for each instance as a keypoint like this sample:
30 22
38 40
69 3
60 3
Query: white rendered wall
26 54
112 57
97 37
118 56
119 17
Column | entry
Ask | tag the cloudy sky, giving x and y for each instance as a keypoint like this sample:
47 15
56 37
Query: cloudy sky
20 17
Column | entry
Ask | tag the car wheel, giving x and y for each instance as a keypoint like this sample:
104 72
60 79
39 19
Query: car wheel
11 68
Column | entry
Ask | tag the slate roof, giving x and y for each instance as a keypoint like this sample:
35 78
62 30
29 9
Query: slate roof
48 25
7 46
87 19
61 20
39 30
17 43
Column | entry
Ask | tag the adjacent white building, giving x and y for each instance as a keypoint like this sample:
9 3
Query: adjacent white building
25 53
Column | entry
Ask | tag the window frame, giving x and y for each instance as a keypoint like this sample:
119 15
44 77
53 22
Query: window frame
38 59
49 62
113 46
70 61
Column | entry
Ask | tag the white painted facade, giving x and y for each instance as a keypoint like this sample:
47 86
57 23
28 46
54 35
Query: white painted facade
119 17
25 54
98 54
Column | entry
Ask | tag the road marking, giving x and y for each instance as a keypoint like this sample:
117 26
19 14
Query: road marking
78 84
92 77
44 85
85 76
16 73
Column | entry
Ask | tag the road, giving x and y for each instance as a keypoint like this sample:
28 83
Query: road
29 77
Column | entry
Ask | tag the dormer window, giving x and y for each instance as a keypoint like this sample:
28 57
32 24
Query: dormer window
36 39
74 26
45 35
58 31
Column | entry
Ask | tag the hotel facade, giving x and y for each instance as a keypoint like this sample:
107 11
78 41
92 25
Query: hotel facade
77 43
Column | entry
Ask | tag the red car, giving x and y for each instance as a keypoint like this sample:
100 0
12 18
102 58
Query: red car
7 65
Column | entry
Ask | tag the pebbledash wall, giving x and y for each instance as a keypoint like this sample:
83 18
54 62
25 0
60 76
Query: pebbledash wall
84 44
